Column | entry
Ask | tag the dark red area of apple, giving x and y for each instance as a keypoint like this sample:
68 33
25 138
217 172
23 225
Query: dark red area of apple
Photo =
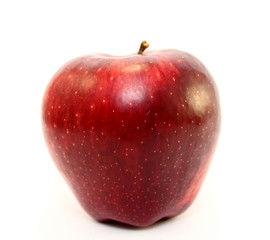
133 136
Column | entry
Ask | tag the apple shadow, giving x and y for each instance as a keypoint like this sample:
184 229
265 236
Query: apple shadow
116 224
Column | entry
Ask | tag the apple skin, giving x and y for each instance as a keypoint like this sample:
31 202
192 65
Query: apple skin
133 136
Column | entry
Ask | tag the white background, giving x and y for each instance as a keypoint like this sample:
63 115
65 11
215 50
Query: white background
231 38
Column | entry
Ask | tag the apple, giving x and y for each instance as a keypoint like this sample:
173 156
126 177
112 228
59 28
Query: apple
133 135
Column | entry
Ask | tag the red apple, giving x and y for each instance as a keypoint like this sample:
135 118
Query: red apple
132 135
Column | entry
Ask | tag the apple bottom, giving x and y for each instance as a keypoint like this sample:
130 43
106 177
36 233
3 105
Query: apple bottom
154 208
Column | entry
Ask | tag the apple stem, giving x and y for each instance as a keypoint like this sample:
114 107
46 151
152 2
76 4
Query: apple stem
143 46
